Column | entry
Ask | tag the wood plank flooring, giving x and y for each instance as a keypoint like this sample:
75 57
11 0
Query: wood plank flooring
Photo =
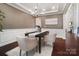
67 47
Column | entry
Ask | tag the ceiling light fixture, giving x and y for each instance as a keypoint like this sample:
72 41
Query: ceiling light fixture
44 9
53 7
36 13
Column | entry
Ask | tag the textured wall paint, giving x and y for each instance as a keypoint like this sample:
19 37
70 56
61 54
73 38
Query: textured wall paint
16 18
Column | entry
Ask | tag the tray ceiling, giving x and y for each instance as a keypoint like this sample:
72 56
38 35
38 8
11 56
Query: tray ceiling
40 9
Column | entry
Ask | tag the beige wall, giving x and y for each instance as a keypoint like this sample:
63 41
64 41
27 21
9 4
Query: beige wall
16 18
57 26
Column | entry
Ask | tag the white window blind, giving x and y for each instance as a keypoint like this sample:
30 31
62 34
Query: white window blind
51 21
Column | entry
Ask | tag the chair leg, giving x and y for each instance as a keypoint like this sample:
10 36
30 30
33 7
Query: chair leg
27 53
36 48
20 52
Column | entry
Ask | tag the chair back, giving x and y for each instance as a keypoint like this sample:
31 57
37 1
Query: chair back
22 42
26 44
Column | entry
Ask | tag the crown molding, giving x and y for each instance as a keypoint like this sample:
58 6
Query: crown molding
28 11
19 7
66 8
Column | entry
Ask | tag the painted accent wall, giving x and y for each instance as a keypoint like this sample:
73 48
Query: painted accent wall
16 18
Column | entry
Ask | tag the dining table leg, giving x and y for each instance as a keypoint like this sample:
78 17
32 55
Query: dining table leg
39 44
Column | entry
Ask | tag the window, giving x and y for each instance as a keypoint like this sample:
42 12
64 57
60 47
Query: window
51 21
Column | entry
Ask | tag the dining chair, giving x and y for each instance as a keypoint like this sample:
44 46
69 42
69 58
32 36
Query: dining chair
26 44
47 38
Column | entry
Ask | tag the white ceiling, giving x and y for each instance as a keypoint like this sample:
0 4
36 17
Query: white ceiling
42 8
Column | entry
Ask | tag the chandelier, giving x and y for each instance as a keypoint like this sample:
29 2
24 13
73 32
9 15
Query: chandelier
36 11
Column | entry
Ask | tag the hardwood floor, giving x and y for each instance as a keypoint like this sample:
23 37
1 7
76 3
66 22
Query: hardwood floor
67 47
78 46
59 47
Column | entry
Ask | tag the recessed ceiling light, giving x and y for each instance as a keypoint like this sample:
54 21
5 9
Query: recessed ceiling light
44 9
53 7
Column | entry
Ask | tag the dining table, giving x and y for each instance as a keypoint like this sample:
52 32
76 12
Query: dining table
38 35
